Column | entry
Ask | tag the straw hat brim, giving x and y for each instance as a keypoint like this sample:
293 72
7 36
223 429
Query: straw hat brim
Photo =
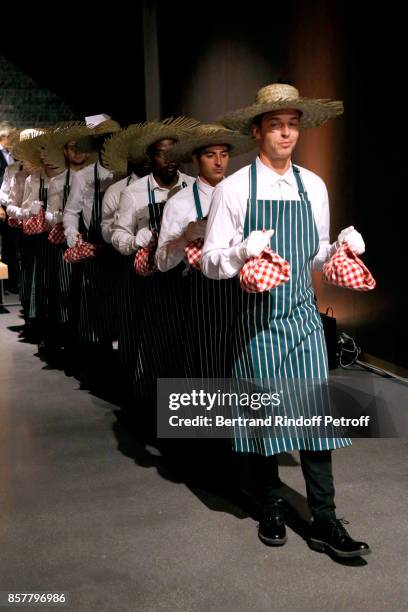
115 153
29 151
56 140
153 131
105 127
237 143
315 112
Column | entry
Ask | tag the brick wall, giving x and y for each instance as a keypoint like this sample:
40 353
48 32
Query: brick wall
26 103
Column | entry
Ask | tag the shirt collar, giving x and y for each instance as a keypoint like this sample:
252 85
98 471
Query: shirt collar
155 186
271 177
204 187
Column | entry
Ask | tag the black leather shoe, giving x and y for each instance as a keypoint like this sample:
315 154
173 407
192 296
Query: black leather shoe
272 530
332 537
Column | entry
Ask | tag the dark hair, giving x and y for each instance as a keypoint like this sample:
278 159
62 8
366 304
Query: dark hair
258 119
198 152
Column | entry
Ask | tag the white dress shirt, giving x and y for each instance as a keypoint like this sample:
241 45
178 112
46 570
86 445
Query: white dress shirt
9 173
16 194
179 211
81 196
133 211
32 188
225 227
110 205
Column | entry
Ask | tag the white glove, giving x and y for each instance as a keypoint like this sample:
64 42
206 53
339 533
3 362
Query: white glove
18 213
25 213
49 217
353 238
12 211
195 230
72 239
35 207
143 237
255 243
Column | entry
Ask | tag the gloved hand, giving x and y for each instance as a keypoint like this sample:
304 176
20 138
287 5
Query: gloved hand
18 214
49 217
143 237
353 238
195 230
255 243
35 207
72 239
25 213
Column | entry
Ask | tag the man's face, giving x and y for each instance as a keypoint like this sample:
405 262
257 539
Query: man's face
278 133
9 141
73 155
213 163
165 170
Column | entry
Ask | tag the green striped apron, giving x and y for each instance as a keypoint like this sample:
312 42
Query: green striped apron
210 308
98 312
279 334
161 351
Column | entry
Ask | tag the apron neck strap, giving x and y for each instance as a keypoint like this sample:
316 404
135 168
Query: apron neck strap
129 178
252 183
300 185
197 202
66 188
150 192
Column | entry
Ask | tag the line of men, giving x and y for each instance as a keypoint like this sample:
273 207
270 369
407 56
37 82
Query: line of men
122 191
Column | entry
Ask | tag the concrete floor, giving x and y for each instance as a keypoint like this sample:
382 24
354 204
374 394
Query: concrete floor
85 509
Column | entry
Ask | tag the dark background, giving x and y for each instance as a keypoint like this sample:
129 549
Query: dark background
214 58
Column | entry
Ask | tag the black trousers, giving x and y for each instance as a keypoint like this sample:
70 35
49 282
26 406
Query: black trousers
264 481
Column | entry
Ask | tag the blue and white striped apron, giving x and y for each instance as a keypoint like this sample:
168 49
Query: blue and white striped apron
279 334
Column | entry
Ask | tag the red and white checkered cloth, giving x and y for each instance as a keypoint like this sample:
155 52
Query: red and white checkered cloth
80 252
144 259
56 235
36 224
345 269
14 222
193 253
265 272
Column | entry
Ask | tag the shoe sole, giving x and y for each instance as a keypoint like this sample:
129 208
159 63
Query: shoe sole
320 546
270 542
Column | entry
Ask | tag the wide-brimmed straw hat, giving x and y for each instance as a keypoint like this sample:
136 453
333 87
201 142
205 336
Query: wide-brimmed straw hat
206 135
58 137
101 124
152 131
115 153
30 147
278 96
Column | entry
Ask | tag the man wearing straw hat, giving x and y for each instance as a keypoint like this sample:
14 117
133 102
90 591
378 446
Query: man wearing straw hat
62 153
140 211
116 158
35 253
8 167
209 303
278 334
97 327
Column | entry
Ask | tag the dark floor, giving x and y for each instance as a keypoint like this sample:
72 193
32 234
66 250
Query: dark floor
86 510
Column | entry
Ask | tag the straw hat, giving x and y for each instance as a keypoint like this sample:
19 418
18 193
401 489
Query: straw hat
206 135
101 124
28 150
152 131
115 153
60 135
279 96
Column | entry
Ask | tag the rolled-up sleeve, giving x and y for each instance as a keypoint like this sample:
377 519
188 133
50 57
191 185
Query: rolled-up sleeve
221 257
125 224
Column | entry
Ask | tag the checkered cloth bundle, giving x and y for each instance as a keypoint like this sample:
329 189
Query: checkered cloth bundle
345 269
265 272
36 224
193 253
56 235
14 222
80 252
144 259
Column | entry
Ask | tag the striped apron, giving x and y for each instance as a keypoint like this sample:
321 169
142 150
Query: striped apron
162 350
98 310
210 308
43 284
129 310
279 334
